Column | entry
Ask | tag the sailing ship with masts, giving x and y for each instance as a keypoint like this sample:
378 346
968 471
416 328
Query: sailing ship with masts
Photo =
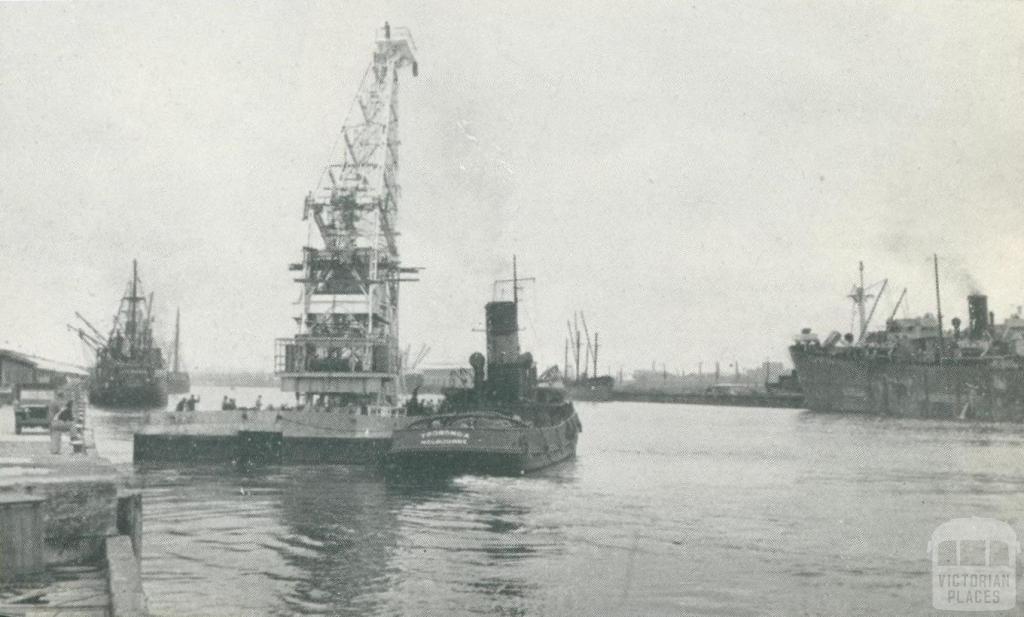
129 369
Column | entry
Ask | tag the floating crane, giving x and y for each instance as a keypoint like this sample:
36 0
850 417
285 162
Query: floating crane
349 320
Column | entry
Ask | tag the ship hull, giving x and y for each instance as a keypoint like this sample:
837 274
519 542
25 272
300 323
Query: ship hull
974 389
511 451
128 387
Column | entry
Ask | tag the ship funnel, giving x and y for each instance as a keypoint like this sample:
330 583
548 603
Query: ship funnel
977 315
505 374
502 333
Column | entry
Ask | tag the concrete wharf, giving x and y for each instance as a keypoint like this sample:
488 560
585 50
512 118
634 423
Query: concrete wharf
70 530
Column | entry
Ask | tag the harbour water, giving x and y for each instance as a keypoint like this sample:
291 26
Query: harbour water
667 510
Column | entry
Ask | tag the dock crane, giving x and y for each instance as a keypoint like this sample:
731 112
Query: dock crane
91 327
88 338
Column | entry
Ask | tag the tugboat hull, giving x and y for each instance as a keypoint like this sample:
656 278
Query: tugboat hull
457 444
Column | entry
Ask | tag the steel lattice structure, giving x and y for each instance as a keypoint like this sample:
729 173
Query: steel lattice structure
348 330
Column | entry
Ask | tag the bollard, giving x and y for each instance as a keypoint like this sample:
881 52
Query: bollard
77 433
54 440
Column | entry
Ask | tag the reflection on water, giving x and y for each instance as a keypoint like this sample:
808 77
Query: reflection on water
667 510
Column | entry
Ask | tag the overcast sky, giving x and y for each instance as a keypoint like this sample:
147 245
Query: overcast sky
700 178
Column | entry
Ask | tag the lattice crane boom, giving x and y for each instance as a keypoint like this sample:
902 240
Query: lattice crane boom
351 277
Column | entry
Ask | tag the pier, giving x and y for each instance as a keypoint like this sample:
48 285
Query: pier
70 530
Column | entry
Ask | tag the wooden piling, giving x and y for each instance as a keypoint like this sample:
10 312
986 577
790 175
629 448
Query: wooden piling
129 518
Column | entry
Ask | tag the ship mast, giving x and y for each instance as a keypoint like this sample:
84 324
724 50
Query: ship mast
515 282
938 309
586 333
132 307
860 298
347 342
576 324
177 324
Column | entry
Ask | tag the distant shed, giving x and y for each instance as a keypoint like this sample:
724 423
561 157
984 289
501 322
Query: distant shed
18 368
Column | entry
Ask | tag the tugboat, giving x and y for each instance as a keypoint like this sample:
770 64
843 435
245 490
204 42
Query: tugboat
129 370
178 380
505 424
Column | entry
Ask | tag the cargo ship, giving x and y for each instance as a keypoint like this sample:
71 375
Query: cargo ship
504 424
129 371
178 380
916 368
343 364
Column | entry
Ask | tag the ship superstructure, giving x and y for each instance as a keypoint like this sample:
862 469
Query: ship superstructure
915 367
346 349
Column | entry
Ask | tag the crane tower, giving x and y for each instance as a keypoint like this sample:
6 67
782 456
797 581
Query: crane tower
346 349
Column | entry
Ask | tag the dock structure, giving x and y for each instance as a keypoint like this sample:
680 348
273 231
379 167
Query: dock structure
60 515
